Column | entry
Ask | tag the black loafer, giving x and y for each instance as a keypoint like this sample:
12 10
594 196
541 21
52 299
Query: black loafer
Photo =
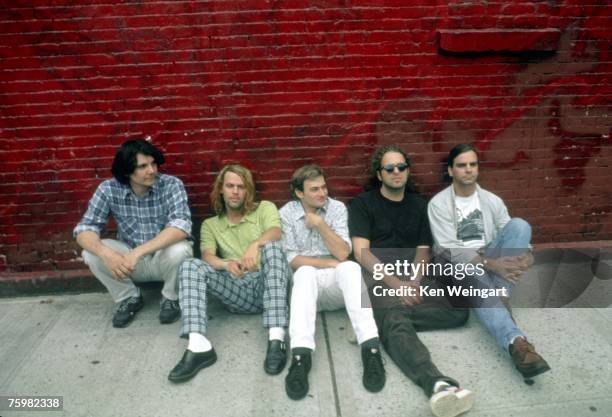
276 357
190 364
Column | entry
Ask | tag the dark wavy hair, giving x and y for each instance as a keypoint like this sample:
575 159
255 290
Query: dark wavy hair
124 163
453 154
376 164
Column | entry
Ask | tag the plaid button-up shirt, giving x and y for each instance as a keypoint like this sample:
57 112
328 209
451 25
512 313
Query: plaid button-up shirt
138 219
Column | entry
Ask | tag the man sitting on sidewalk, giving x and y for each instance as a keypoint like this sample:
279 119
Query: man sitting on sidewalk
317 243
153 222
243 265
471 226
389 224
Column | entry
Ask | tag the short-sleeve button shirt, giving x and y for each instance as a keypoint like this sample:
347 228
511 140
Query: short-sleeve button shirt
230 241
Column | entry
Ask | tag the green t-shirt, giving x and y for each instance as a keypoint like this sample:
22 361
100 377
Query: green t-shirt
230 241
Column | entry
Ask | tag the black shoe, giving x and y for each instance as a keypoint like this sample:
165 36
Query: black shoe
127 310
276 357
169 311
373 370
190 364
296 382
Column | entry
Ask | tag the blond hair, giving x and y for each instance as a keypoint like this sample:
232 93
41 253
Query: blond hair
216 197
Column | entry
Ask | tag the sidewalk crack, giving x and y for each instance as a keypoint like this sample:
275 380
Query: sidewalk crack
331 365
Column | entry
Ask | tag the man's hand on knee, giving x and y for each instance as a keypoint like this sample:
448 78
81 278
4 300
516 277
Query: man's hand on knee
130 260
249 258
234 268
115 263
523 262
510 268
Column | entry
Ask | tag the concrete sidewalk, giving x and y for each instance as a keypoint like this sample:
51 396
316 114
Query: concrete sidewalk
65 345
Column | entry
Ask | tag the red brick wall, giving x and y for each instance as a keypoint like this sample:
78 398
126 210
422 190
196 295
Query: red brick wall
274 85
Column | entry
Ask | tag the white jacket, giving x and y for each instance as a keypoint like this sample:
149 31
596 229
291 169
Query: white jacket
443 223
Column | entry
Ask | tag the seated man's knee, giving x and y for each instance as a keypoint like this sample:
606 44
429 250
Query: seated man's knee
519 226
273 252
349 267
176 253
89 258
269 248
304 275
305 271
192 268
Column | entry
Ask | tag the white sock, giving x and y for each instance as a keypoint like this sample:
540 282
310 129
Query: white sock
198 343
440 385
277 333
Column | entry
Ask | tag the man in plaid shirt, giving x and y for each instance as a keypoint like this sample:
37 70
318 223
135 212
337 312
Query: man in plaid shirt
242 264
153 224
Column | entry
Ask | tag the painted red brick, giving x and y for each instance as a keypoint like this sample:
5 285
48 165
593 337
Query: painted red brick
488 40
277 85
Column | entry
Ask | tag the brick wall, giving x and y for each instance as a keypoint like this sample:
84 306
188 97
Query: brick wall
275 85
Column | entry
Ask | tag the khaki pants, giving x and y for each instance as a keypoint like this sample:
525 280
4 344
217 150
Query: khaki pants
159 266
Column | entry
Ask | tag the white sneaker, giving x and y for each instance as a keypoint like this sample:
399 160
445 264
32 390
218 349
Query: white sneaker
451 401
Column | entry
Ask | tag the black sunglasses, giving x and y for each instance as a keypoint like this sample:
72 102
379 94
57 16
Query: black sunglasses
390 167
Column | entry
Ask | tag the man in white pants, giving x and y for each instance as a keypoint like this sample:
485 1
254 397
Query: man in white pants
317 243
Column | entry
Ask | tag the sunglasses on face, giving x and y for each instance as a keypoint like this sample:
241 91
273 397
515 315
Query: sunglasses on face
391 167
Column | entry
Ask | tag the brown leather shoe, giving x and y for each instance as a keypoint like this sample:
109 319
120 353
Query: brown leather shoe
526 359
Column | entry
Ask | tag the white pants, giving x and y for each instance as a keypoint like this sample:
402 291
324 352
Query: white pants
159 266
323 290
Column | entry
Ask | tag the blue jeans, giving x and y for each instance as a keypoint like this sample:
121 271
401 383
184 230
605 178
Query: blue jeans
512 240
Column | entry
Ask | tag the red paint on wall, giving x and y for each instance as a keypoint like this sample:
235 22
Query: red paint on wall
275 86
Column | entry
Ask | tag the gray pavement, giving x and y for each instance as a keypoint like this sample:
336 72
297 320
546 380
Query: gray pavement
65 345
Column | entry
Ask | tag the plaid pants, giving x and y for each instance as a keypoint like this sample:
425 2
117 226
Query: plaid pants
263 290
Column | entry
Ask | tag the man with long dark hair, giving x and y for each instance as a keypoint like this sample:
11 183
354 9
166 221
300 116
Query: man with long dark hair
153 223
242 264
388 224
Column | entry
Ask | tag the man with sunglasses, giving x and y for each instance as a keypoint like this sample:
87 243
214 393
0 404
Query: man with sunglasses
471 225
389 224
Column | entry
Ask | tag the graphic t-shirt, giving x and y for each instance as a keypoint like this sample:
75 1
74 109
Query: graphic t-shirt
470 227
